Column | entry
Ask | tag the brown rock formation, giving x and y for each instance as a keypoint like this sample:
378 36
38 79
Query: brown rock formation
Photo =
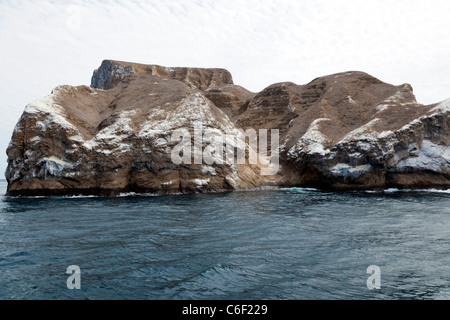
343 131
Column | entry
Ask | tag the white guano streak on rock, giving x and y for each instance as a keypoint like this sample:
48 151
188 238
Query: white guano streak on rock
192 109
409 125
56 113
385 134
312 141
350 100
364 132
112 136
444 106
431 157
209 169
345 170
395 98
392 101
53 166
35 140
201 182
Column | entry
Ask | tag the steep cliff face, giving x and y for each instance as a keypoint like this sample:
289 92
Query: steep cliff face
352 131
112 72
343 131
85 140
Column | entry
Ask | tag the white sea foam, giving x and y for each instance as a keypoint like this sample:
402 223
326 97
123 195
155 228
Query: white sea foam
300 190
396 190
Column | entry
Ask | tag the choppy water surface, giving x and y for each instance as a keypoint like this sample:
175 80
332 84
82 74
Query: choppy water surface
277 244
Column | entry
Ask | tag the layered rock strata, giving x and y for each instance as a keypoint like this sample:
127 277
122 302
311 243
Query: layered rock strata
347 131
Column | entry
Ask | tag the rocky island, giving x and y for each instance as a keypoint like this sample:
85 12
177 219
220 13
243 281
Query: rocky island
347 131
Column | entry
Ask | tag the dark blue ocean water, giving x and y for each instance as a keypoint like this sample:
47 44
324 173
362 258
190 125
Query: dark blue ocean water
272 244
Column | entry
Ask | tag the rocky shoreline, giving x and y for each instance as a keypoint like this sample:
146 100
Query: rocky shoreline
347 131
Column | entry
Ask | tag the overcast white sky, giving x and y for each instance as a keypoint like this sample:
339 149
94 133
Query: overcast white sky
48 43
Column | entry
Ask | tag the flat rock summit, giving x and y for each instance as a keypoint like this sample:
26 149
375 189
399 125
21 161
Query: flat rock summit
347 131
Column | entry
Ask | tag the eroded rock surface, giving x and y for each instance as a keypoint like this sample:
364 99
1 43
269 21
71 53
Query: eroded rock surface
343 131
